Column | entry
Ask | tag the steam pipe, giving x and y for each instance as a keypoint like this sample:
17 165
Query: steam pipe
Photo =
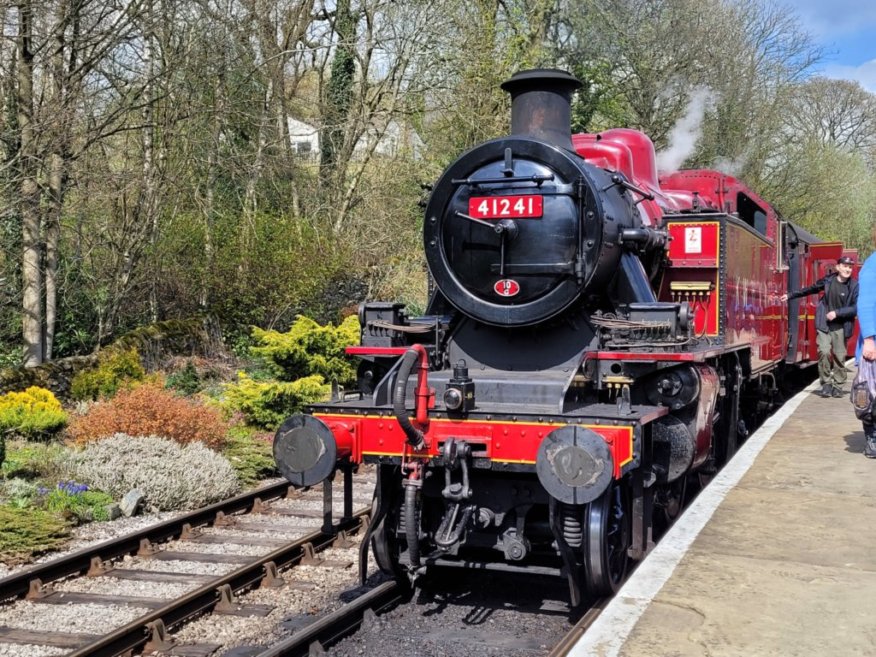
636 286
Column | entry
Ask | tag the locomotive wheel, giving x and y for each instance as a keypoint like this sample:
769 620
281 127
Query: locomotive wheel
728 438
384 543
606 541
669 504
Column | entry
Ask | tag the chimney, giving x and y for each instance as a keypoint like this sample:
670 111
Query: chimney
541 105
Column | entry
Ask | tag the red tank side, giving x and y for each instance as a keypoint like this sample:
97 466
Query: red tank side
631 153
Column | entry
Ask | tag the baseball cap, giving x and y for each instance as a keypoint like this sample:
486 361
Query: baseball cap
845 260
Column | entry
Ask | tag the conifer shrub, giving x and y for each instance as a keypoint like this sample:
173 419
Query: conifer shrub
309 349
302 361
250 454
171 476
34 414
116 368
267 403
149 410
25 531
185 381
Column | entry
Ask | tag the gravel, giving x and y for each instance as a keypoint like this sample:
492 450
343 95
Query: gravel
189 567
13 650
113 586
93 533
84 618
323 590
218 548
469 614
320 587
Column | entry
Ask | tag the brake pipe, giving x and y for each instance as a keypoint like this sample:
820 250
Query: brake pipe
423 395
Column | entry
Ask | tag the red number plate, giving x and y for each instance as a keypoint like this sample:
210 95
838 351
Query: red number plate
506 207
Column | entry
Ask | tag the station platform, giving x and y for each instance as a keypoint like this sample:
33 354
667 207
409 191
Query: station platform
776 557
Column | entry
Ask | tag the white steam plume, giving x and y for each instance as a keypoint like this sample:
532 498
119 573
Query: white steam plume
684 135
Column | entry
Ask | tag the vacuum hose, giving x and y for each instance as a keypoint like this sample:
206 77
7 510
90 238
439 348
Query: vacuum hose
412 522
415 436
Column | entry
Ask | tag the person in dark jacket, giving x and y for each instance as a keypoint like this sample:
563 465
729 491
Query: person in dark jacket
834 320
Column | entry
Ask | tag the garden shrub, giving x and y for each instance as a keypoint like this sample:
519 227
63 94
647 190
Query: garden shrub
75 501
25 531
267 403
251 455
30 459
185 381
34 413
116 368
308 349
18 492
170 476
148 410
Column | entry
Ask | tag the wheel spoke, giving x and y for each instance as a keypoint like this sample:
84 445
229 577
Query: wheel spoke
605 550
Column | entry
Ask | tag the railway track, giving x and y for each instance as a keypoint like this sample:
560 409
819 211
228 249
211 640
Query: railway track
261 522
212 554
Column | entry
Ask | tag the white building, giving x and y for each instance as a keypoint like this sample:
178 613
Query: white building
395 139
304 138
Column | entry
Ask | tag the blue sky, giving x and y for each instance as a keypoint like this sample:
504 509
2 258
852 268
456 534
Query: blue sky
846 29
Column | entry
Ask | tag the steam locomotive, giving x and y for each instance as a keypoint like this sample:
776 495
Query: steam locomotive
595 337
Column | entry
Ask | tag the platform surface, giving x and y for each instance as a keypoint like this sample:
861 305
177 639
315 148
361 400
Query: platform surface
776 557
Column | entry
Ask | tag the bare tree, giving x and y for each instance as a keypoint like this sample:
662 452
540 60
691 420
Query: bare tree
27 165
838 112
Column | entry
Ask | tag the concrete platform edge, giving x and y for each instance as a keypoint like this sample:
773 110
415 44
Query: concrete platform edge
607 635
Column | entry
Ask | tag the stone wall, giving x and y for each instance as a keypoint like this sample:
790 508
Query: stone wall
155 343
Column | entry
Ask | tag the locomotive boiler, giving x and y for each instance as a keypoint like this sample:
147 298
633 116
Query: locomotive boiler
588 339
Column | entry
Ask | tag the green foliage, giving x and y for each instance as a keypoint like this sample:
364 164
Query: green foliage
19 493
74 501
115 369
27 531
843 209
250 454
264 271
308 349
185 381
31 460
34 413
599 105
267 403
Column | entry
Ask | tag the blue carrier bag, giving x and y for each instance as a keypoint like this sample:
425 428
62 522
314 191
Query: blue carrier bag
864 391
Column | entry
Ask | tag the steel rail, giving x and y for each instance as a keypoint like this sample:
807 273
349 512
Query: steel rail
80 561
565 645
338 624
139 631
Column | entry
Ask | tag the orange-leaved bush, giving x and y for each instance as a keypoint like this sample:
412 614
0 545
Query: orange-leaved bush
150 410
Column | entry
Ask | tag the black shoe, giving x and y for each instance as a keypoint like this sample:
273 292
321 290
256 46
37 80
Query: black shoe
837 392
825 390
870 449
